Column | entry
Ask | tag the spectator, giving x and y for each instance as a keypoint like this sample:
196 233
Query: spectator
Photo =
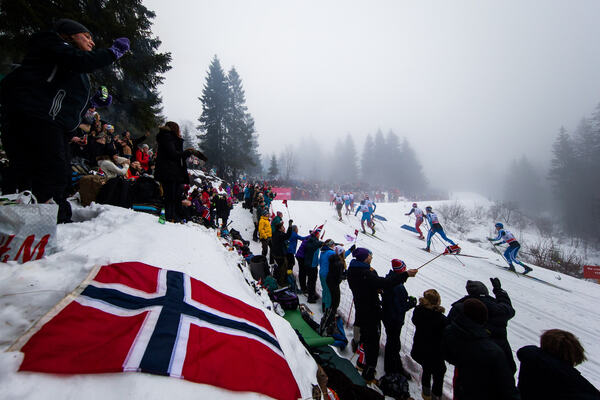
335 275
326 252
548 371
292 244
135 170
396 302
365 285
481 368
264 232
430 321
311 262
278 249
302 268
171 170
143 157
500 311
42 103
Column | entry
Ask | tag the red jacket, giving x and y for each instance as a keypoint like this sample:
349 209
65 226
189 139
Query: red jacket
143 158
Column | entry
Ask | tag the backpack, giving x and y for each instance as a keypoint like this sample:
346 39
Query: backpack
145 190
287 298
395 385
116 192
89 187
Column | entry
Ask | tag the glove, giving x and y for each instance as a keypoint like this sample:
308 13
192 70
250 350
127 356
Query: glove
352 248
496 283
412 302
119 47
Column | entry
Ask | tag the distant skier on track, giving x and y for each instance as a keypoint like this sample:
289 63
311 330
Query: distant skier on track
436 227
367 215
510 254
419 218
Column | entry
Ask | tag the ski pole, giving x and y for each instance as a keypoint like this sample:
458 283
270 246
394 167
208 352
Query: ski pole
439 255
350 313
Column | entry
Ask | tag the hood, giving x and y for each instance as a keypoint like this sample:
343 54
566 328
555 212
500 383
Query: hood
358 264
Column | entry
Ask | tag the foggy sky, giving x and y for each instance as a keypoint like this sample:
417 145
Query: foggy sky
471 84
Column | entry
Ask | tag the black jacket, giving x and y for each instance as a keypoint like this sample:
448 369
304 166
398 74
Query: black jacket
170 158
52 83
279 242
482 371
365 285
313 244
500 311
543 376
394 304
427 341
336 270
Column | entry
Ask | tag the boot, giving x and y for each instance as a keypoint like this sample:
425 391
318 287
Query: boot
426 393
369 374
527 270
436 397
512 268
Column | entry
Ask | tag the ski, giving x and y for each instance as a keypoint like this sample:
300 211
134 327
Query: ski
469 255
373 236
533 278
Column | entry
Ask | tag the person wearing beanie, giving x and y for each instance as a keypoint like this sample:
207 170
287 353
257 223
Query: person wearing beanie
481 370
311 263
327 250
430 322
500 311
42 102
365 285
395 303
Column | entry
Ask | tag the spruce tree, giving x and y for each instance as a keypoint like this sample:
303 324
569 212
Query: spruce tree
273 168
215 107
368 162
415 181
132 81
350 165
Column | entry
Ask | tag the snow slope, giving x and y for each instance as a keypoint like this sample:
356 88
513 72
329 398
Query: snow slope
107 235
538 307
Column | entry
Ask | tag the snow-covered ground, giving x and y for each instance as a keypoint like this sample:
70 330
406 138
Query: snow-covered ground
108 235
538 307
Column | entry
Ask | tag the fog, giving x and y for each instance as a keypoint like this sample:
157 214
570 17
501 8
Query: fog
473 85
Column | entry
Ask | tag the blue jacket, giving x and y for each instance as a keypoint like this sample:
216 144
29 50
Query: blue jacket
395 304
293 240
326 252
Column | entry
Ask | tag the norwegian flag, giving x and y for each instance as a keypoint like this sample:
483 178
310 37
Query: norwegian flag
355 232
285 203
135 317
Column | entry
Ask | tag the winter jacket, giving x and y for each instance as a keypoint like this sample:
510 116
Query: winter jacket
394 303
326 252
427 341
170 158
279 242
311 251
264 228
300 252
143 158
482 371
365 284
222 207
52 83
543 376
500 311
336 270
293 241
276 221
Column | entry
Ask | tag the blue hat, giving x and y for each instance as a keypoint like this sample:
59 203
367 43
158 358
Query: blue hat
499 225
361 254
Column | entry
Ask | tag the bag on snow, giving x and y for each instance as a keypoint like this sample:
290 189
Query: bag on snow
89 187
395 385
116 192
287 298
27 231
259 267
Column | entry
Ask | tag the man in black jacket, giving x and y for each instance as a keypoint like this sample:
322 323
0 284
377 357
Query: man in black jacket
311 262
365 285
278 248
41 103
500 311
481 369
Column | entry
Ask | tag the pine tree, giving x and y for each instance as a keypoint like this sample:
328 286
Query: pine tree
132 81
273 168
522 186
350 166
415 181
369 162
215 107
392 162
379 162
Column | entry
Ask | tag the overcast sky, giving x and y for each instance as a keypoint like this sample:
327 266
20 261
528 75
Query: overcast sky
471 84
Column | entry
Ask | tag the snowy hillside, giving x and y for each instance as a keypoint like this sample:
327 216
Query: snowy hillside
108 235
538 306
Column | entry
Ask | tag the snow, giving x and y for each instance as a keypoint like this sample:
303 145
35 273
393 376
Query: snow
538 307
106 234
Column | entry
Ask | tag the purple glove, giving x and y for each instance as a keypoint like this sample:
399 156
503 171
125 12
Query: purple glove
120 47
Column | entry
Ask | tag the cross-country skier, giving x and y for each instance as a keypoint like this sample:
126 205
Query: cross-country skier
419 218
346 198
351 195
436 227
367 215
510 254
339 203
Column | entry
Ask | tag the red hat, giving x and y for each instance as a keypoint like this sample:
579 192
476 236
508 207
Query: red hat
398 265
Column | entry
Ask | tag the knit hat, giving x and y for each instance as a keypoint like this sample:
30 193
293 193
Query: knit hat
476 311
477 288
339 249
398 265
69 27
361 254
329 242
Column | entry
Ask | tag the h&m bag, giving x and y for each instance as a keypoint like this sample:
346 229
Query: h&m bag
27 229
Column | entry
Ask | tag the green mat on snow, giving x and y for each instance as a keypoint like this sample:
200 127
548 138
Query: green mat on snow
312 338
